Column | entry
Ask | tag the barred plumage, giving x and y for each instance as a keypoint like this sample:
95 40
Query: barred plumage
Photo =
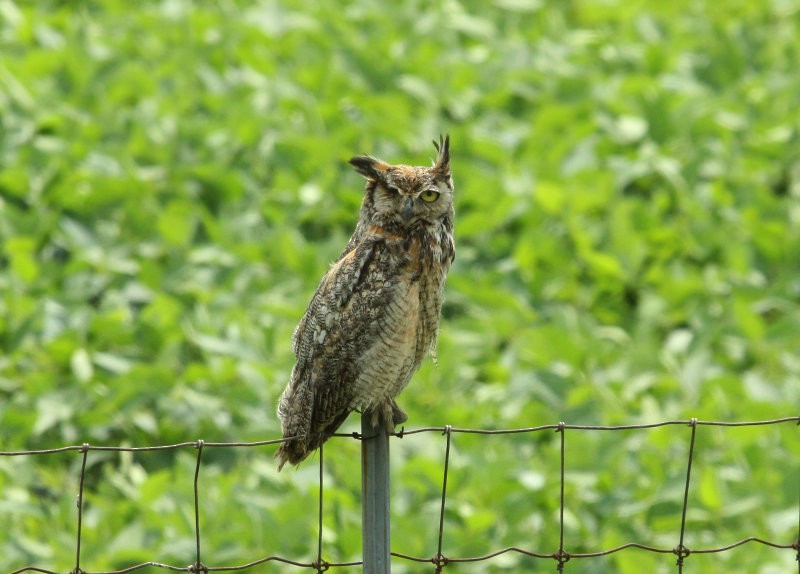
376 311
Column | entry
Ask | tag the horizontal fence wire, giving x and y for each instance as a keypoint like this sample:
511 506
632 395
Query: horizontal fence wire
438 560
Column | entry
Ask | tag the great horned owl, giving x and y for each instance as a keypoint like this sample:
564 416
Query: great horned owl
375 313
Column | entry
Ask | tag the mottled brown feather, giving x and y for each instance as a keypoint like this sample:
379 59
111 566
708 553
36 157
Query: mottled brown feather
375 313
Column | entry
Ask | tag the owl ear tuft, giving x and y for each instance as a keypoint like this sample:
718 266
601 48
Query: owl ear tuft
442 163
369 167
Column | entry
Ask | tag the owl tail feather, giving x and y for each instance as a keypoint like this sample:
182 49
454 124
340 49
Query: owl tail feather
293 451
297 449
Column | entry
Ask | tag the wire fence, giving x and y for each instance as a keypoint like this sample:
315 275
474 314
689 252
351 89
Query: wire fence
439 561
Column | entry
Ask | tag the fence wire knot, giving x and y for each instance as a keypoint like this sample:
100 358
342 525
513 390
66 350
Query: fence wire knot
561 426
562 557
682 552
77 570
440 561
197 567
321 565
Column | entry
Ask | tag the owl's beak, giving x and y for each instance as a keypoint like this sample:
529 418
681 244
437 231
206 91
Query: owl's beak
408 209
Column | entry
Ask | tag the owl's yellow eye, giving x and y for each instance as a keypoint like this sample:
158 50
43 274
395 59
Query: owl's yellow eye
429 195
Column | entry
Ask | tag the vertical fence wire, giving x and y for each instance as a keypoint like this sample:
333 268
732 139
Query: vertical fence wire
797 540
319 564
198 564
561 556
681 550
85 451
440 560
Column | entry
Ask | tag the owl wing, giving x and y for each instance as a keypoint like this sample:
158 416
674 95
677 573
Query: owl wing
332 299
333 333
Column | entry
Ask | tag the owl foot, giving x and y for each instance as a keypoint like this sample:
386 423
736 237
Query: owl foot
399 416
391 413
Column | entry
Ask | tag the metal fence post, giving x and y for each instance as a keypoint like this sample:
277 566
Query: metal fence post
375 496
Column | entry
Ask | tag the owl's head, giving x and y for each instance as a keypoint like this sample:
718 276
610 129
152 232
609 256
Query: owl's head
408 196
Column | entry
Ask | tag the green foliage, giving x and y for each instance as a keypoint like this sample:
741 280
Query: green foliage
173 183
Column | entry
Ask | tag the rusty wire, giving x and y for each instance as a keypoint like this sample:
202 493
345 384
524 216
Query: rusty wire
561 556
439 560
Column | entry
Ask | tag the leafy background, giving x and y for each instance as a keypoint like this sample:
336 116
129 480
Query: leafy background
173 183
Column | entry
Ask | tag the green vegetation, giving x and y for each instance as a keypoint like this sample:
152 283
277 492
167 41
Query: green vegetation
173 183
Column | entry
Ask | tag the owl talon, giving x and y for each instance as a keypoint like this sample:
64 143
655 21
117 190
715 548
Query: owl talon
399 416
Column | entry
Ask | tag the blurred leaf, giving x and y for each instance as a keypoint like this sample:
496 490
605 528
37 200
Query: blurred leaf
81 365
21 252
51 410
